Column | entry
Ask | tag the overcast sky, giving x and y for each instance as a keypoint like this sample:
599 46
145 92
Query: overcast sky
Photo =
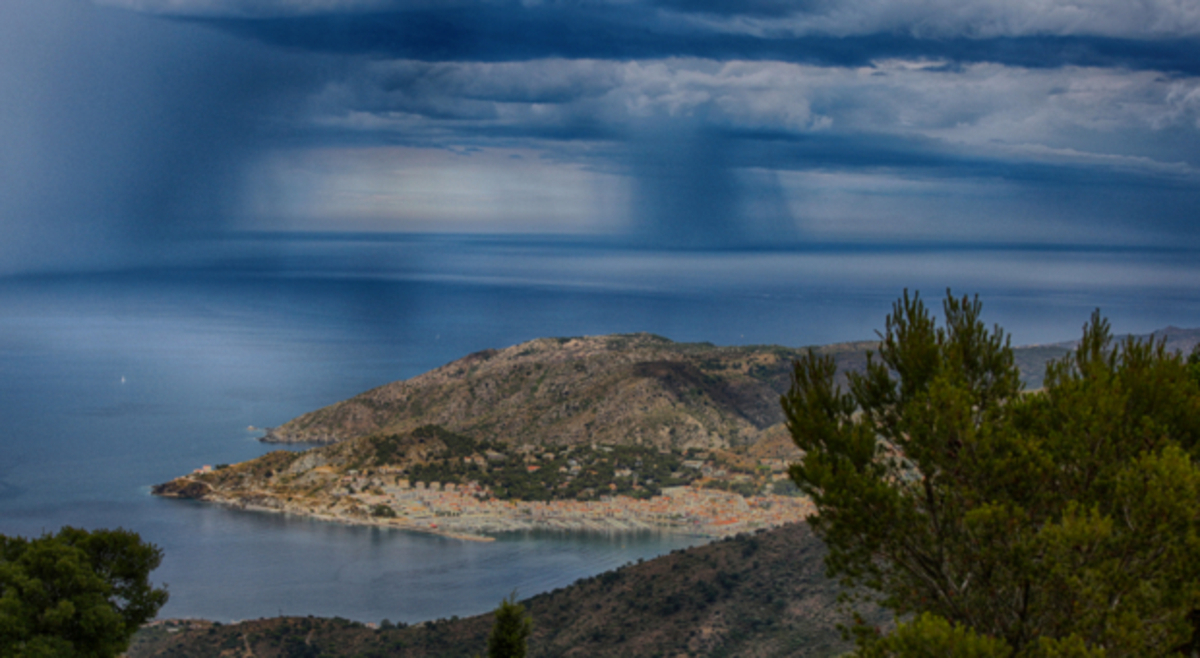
686 123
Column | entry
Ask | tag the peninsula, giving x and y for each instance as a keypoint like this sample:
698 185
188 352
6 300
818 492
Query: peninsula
619 432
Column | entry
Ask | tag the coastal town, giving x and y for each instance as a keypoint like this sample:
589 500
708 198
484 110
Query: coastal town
469 512
695 493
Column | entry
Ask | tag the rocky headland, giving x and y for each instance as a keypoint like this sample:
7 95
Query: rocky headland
620 432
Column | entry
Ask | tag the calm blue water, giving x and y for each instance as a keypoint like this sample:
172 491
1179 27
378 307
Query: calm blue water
112 382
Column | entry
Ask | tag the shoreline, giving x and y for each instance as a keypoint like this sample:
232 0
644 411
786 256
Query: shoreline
463 515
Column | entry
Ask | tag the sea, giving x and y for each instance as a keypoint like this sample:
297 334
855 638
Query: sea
112 381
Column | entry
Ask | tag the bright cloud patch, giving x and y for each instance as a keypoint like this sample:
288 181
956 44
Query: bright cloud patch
382 188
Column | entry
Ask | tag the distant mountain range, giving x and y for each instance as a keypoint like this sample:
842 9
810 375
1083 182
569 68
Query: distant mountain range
1174 338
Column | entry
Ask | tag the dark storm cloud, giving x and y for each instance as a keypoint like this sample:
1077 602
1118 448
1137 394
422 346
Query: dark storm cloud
701 105
686 194
924 157
453 91
883 116
496 34
699 138
697 187
693 190
764 8
122 130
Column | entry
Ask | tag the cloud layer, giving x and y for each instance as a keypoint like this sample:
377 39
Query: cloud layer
920 18
702 123
120 131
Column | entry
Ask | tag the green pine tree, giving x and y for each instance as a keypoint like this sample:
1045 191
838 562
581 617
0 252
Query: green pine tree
510 632
1062 522
76 593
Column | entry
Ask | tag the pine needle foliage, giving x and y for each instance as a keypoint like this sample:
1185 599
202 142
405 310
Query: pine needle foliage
510 633
75 593
1059 522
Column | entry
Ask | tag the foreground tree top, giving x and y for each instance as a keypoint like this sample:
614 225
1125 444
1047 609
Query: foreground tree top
1057 522
511 630
76 593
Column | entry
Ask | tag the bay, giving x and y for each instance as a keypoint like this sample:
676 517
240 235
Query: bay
111 382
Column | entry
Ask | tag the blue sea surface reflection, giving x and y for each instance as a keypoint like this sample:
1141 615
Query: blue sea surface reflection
113 382
305 567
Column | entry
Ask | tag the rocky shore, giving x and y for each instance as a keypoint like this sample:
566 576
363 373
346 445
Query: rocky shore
467 512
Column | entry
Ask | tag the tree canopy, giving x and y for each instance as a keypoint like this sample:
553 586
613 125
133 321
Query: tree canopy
76 593
510 632
999 522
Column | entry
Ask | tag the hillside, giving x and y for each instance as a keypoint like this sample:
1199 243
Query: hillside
635 389
639 389
757 596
